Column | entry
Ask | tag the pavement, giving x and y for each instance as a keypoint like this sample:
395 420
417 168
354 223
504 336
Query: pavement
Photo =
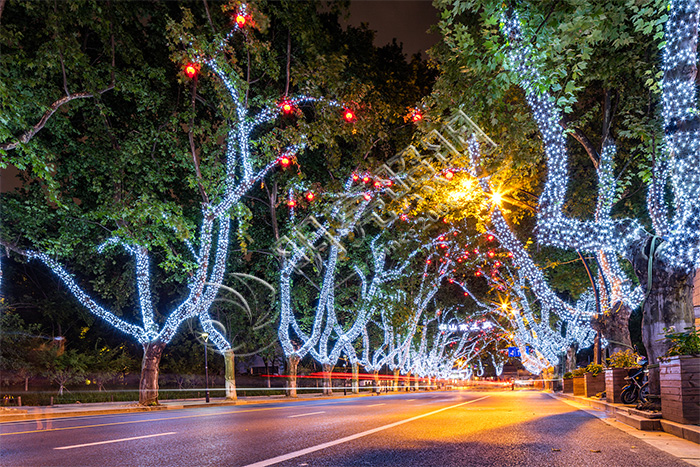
640 420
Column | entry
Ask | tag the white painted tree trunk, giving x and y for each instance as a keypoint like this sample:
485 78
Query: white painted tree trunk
230 372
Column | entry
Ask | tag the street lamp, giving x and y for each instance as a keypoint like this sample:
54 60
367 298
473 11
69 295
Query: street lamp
205 336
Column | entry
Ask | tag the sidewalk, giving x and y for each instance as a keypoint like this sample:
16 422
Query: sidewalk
11 414
640 420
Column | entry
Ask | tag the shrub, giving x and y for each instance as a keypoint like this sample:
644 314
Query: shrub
594 369
683 343
621 359
578 372
568 375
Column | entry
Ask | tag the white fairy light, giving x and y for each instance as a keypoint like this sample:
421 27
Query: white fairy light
681 165
214 232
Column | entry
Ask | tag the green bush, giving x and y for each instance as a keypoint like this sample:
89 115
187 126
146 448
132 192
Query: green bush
594 369
578 372
683 343
621 359
568 375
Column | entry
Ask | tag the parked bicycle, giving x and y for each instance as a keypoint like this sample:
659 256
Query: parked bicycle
638 387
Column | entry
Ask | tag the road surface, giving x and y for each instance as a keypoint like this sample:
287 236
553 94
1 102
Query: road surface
452 428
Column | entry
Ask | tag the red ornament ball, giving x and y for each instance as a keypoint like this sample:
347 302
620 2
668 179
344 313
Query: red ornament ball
191 70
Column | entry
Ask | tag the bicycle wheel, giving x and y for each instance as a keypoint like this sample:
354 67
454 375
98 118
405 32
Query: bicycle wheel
629 395
644 392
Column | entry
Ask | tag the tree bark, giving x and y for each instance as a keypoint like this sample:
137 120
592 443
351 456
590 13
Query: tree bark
396 380
327 380
407 383
669 302
148 387
570 359
230 375
376 381
614 326
292 364
355 378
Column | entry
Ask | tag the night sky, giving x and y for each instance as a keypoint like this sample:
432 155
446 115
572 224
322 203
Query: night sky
406 20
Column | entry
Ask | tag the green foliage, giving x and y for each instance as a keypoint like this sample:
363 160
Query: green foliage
623 359
568 375
579 372
64 368
594 369
683 343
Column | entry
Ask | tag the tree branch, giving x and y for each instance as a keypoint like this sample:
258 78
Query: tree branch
581 137
24 138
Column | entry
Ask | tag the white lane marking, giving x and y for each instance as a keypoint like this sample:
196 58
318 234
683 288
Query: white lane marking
305 414
409 400
318 447
114 441
375 405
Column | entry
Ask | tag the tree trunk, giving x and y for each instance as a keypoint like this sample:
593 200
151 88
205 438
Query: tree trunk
230 375
327 380
26 383
570 359
356 378
396 380
148 387
417 384
407 383
292 364
267 372
614 326
669 304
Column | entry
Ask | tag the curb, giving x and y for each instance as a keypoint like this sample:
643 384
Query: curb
633 418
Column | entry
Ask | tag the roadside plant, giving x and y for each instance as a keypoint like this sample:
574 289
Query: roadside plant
594 369
683 343
623 359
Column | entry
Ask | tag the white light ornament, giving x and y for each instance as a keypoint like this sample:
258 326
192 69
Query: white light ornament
213 237
554 227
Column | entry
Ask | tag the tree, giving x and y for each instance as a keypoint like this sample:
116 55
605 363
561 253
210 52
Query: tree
20 347
230 176
666 271
65 367
298 338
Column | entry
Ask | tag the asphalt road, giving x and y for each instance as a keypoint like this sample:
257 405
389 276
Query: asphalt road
409 429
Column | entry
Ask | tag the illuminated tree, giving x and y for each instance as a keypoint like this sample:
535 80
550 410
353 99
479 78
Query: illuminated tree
239 171
296 341
386 339
665 260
